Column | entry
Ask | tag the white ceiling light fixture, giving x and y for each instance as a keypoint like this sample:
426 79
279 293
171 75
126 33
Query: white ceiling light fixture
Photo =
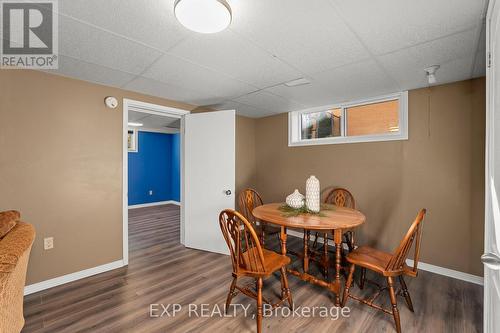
431 73
135 124
204 16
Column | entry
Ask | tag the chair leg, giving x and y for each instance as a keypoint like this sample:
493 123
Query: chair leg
406 293
315 243
362 278
325 255
285 290
395 311
231 293
259 305
349 238
262 236
348 284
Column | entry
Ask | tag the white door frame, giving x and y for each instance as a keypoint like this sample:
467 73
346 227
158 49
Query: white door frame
491 197
133 105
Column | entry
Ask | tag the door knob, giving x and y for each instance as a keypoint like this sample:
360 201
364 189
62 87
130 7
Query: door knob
228 192
491 260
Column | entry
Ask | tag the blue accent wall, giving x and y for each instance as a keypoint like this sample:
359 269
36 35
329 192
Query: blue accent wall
175 171
155 167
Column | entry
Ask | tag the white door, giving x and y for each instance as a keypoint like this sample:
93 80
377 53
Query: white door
209 172
491 257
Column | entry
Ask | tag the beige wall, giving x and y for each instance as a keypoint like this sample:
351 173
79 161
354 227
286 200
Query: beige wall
61 166
440 167
61 163
246 167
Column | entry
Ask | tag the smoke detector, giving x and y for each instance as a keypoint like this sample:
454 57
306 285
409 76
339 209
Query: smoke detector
431 73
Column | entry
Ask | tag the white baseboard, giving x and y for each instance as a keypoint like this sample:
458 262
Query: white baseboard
423 266
448 272
36 287
151 204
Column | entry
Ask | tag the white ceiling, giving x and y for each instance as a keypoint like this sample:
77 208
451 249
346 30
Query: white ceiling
151 121
348 49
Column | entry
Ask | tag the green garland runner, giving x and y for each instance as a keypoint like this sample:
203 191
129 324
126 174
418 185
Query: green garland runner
292 212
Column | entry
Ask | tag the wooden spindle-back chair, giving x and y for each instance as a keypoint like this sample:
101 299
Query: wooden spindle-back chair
248 200
340 197
250 259
390 266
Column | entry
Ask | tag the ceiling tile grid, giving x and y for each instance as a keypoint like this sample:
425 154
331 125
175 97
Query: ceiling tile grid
407 66
347 49
177 71
264 100
360 80
85 42
150 22
71 67
228 53
389 25
160 89
243 109
307 34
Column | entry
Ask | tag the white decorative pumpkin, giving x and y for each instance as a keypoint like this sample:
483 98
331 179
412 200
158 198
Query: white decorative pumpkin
312 194
295 200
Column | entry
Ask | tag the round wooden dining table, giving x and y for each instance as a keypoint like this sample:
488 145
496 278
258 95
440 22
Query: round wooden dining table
334 219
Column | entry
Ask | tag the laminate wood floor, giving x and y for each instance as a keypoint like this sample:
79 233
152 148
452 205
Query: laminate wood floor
162 271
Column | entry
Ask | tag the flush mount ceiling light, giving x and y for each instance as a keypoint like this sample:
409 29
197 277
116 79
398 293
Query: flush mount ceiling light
135 124
205 16
431 73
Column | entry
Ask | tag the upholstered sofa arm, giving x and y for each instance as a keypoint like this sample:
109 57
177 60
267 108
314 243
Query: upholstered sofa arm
14 245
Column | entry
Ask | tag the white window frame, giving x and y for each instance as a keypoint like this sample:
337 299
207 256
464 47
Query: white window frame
294 125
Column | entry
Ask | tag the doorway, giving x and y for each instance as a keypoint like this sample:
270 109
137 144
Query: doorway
151 127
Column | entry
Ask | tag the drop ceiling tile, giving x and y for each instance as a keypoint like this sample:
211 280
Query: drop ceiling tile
407 66
87 43
90 72
361 80
230 54
159 89
389 25
309 95
309 35
149 21
184 74
267 101
242 109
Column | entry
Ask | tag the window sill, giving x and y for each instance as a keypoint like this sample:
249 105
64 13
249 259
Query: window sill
349 139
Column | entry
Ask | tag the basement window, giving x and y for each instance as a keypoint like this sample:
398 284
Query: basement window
383 118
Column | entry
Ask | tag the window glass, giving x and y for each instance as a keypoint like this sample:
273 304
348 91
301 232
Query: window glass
322 124
383 118
375 118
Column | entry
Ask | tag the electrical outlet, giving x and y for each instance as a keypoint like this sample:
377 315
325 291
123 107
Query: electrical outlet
150 192
48 243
